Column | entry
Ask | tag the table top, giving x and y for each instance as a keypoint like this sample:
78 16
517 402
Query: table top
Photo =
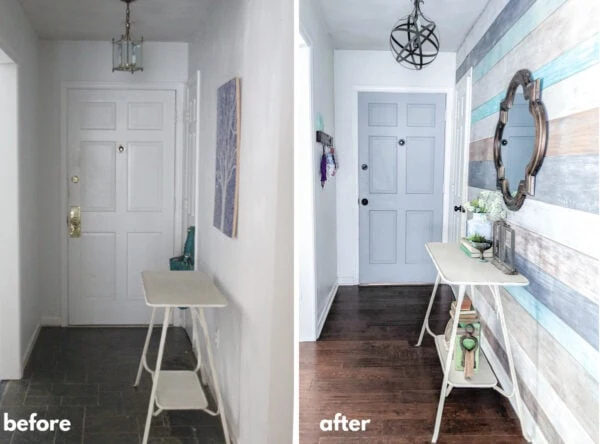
181 289
455 267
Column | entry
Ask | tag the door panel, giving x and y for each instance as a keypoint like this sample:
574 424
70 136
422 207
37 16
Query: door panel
383 226
121 145
383 162
401 142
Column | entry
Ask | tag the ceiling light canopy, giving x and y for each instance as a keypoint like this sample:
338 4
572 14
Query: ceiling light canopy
414 41
127 52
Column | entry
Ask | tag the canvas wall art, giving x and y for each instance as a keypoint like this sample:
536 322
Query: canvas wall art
227 158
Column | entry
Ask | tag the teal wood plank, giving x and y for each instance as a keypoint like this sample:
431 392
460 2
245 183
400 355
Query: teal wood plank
530 20
577 311
577 347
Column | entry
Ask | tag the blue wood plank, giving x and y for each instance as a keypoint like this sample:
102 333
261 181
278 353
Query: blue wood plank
577 347
580 58
482 174
569 181
513 10
530 20
577 311
566 181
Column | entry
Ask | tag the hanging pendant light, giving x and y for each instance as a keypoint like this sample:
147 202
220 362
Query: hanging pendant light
127 52
413 41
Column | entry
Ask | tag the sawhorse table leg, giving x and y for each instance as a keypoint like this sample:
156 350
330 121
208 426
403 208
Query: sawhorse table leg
426 321
156 375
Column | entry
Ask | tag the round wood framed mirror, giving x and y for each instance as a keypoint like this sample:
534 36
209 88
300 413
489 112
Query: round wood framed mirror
520 140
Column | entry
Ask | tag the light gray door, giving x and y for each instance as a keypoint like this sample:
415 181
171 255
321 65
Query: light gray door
401 176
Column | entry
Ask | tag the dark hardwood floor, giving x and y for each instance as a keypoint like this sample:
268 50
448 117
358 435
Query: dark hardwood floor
365 367
85 375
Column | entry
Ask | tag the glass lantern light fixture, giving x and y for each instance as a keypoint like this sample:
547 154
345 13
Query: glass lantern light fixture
127 51
414 41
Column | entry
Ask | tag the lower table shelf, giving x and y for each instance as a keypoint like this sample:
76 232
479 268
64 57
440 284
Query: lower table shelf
180 390
483 377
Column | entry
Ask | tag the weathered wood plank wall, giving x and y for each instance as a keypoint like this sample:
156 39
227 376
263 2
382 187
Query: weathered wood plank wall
554 321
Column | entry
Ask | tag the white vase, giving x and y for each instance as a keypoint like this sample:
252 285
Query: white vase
479 224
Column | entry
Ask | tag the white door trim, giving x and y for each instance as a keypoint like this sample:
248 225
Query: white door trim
179 89
308 318
449 128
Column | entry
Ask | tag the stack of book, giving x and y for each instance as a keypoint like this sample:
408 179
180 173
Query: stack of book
467 312
471 251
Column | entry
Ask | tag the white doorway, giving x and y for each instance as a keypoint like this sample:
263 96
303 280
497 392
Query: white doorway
459 159
304 206
10 315
121 177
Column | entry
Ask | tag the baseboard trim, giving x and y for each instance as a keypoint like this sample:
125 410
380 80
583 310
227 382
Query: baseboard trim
537 437
325 313
51 321
30 346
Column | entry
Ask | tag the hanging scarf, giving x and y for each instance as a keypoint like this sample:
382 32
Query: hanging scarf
323 168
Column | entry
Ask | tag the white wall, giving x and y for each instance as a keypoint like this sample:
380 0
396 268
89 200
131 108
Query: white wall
70 61
315 31
373 71
19 311
253 40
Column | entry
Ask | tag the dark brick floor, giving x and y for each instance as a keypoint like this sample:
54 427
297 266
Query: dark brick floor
86 375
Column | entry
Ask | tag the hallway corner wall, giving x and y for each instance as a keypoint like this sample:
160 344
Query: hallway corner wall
252 40
553 322
374 71
20 42
79 61
325 198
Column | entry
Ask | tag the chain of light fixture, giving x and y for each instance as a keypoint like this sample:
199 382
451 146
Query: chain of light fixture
127 52
413 41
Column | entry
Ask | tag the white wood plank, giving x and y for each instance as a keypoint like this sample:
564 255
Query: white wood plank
573 95
536 352
563 225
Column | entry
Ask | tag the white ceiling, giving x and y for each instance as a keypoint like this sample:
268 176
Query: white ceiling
157 20
366 24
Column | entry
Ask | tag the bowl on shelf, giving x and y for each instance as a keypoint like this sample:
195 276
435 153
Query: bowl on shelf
481 246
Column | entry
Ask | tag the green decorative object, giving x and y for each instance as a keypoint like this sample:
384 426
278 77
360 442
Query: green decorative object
468 336
185 262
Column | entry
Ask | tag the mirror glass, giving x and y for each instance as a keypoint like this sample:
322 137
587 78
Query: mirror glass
518 141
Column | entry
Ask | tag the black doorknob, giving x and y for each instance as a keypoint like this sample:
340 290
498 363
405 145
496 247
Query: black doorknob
459 208
401 142
365 201
364 167
504 142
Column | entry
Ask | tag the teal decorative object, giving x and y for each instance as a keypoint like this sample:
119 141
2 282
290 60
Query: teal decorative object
185 262
319 123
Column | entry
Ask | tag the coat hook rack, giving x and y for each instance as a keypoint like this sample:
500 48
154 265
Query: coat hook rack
324 139
327 142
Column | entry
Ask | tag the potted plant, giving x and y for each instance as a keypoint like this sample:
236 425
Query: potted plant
486 207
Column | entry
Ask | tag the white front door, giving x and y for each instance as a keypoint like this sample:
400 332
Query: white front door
121 172
460 156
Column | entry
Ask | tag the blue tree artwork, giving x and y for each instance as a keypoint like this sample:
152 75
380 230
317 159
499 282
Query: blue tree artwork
227 159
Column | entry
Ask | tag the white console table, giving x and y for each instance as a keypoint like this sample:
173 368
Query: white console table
180 390
456 268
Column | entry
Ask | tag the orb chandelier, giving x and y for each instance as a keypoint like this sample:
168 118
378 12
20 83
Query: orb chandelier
127 51
414 41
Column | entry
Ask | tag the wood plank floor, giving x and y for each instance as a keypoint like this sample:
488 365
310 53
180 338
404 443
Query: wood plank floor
365 367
